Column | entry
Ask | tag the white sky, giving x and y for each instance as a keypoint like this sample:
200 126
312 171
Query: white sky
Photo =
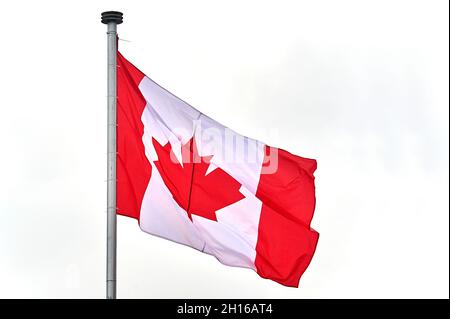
362 86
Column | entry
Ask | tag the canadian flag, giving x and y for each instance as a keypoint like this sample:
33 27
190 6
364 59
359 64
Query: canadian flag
189 179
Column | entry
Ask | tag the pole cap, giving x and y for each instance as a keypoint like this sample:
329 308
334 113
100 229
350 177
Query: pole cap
112 17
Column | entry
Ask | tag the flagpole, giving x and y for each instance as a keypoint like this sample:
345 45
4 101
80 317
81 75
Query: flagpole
111 19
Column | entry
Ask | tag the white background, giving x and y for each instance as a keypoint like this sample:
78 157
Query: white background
362 86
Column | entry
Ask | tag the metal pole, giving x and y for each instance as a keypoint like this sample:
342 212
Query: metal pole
112 19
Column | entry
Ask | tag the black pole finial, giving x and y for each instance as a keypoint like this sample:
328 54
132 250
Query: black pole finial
112 16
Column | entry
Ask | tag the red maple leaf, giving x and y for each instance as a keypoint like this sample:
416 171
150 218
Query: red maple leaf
195 191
